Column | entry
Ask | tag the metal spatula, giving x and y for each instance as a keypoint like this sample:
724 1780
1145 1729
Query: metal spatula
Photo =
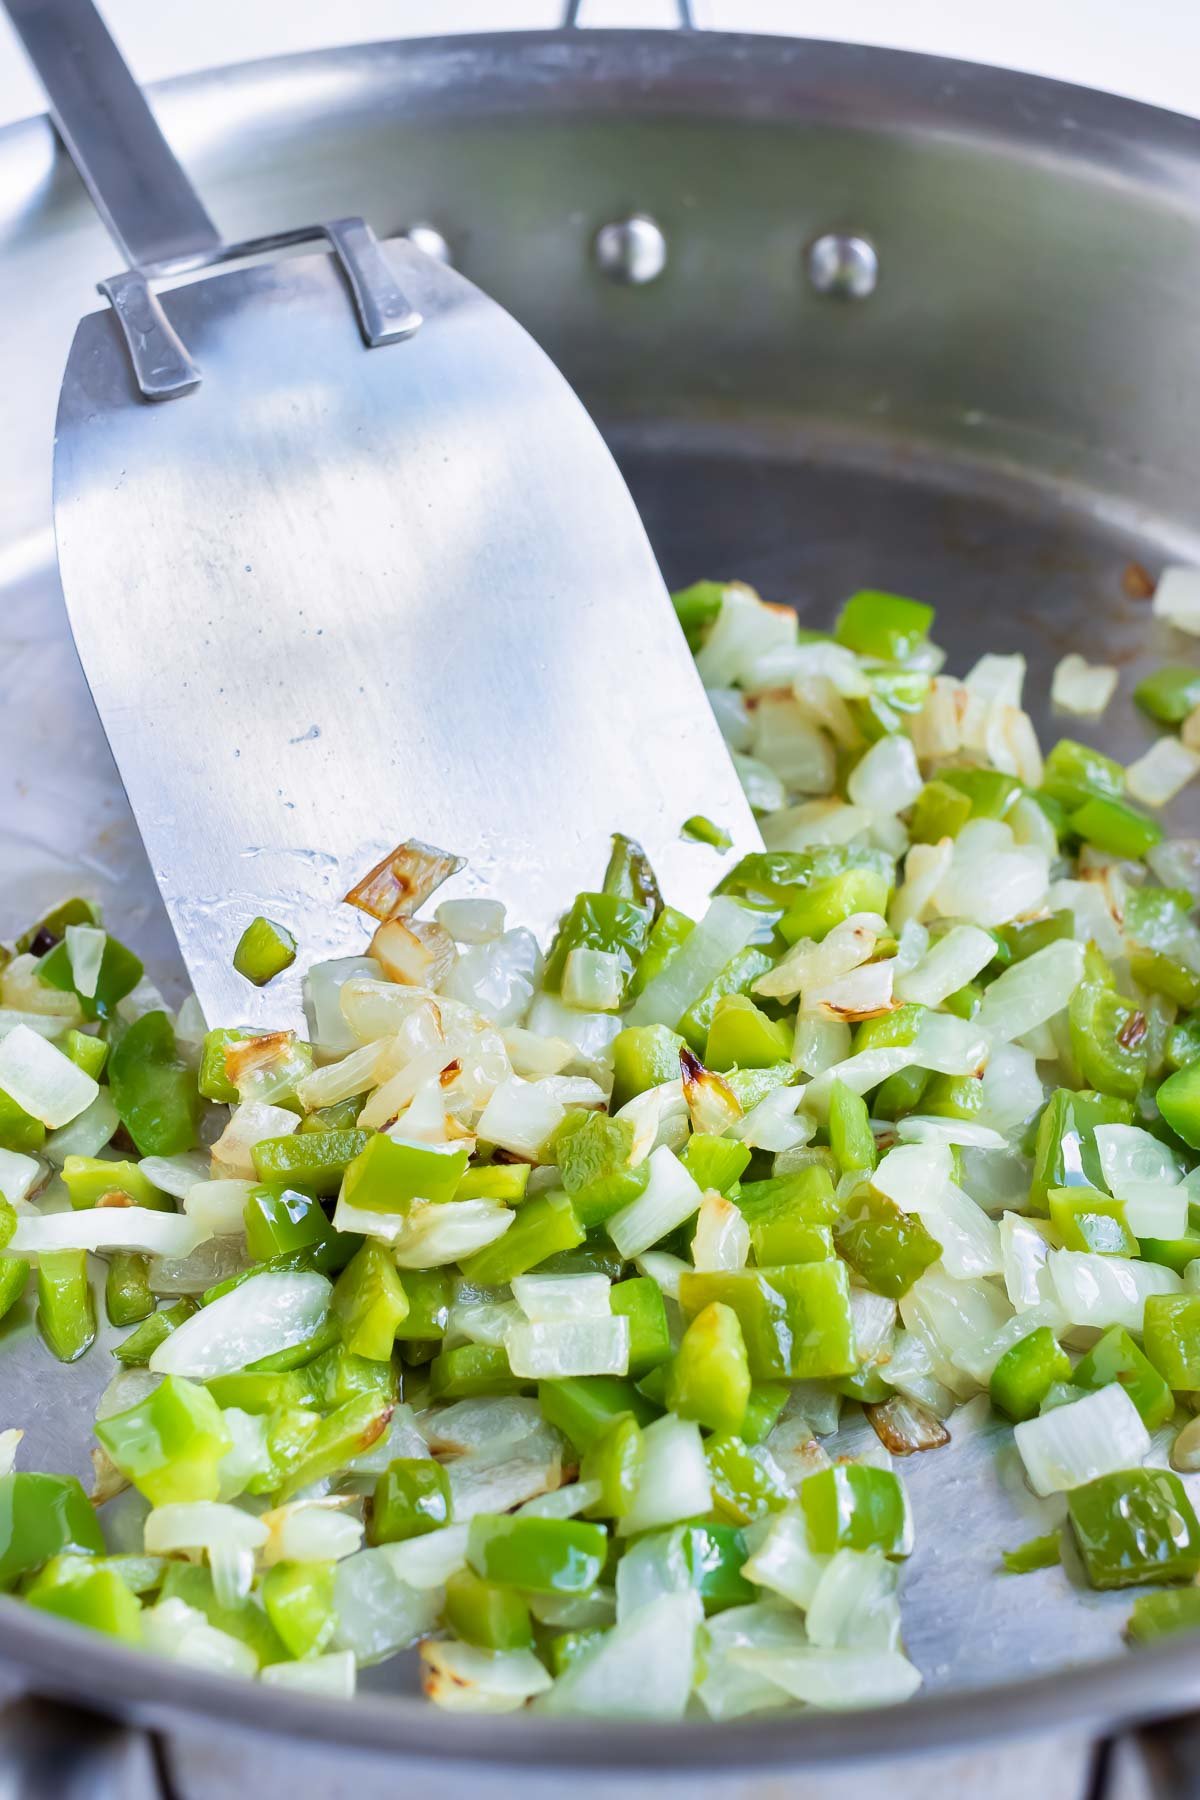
334 586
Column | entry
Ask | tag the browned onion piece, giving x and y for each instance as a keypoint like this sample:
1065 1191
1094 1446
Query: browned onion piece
403 881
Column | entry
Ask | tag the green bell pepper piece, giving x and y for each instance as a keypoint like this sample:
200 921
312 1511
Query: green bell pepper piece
737 977
714 1162
599 922
1133 1526
885 626
1115 826
14 1273
1178 1101
1161 1614
1065 1151
280 1221
337 1374
472 1369
671 929
89 1180
854 1506
40 937
430 1292
746 1485
901 1093
42 1516
136 1350
389 1174
298 1598
1025 938
487 1613
153 1089
19 1130
742 1037
992 794
1034 1553
640 1301
767 1401
1109 1040
1171 1335
795 1319
1091 1221
772 877
643 1056
593 1155
953 1096
542 1228
939 811
66 1315
713 1554
1182 1045
1170 694
87 1053
630 874
369 1299
850 1136
170 1444
264 951
566 1648
783 1211
823 904
696 608
412 1497
701 830
348 1431
583 1407
709 1377
540 1556
749 1086
246 1621
120 972
1159 973
128 1296
1026 1372
1115 1357
1075 773
313 1160
615 1461
495 1181
95 1597
260 1392
888 1249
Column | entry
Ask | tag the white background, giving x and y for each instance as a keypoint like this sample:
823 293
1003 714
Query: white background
1149 49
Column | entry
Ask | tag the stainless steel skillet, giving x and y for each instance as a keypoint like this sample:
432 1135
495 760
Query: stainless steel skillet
1002 426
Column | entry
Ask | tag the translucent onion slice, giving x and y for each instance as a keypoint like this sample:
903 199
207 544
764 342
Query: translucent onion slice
261 1316
1078 1442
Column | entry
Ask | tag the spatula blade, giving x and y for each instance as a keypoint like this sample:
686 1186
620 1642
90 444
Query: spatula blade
339 597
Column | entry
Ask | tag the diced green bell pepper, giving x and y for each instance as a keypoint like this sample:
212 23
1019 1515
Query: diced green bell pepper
1091 1221
19 1130
120 972
472 1369
854 1506
430 1293
540 1556
701 830
1034 1553
643 1056
97 1598
1065 1152
640 1301
370 1301
136 1350
496 1181
745 1486
882 625
795 1319
823 904
953 1096
1178 1101
40 937
1115 1357
170 1444
749 1086
767 1401
888 1249
1164 1613
390 1174
709 1378
771 877
348 1431
850 1136
630 874
89 1180
412 1498
42 1516
714 1162
1115 827
714 1554
1109 1040
1026 1372
615 1461
593 1154
742 1037
939 811
246 1620
583 1407
599 922
1171 1335
298 1597
14 1273
281 1220
696 608
313 1160
1169 694
66 1315
671 929
542 1228
1182 1046
737 977
487 1613
128 1296
1075 773
153 1089
264 951
1133 1526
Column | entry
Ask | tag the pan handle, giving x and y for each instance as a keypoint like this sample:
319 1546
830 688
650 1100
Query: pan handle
147 202
54 1752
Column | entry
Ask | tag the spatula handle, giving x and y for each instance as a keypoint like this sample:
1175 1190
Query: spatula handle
150 207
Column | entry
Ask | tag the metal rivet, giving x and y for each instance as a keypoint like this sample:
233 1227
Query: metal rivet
429 241
843 265
632 251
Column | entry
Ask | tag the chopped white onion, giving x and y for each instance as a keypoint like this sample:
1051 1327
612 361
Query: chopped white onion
1078 1442
642 1669
762 787
1081 687
727 1691
1177 598
917 1128
202 1525
19 1175
461 1677
722 1236
783 1561
1159 775
554 1349
248 1125
835 1678
426 1563
592 980
333 1675
674 1481
1025 1249
85 953
815 822
949 964
726 928
563 1296
180 1633
855 1605
886 778
262 1315
176 1175
471 921
37 1075
498 978
520 1116
1107 1290
744 630
219 1207
312 1531
1127 1153
106 1228
1031 991
669 1199
433 1234
88 1133
323 984
788 743
377 1611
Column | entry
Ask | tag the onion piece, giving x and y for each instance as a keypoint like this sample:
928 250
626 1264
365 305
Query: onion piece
106 1228
669 1199
788 743
324 983
248 1124
176 1175
905 1427
1032 991
1078 1442
402 881
835 1678
87 1134
461 1677
19 1175
325 1530
745 629
783 1561
886 778
555 1349
543 1297
377 1611
948 965
726 928
641 1669
471 921
1159 775
855 1605
333 1675
415 952
85 953
179 1633
722 1236
674 1481
202 1525
426 1563
219 1207
1107 1290
37 1075
433 1235
727 1691
1081 687
261 1316
1177 598
497 979
520 1116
